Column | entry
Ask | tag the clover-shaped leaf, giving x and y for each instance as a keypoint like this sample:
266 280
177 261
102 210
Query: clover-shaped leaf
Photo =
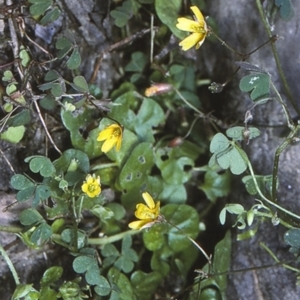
7 76
128 256
50 16
175 170
286 9
264 183
257 84
39 6
30 216
122 13
239 133
80 84
13 134
41 234
227 154
41 164
216 185
145 284
292 238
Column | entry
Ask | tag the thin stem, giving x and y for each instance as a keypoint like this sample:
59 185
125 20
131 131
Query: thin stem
45 127
112 239
188 103
11 229
286 112
10 265
224 43
277 260
279 150
191 240
258 189
277 60
104 166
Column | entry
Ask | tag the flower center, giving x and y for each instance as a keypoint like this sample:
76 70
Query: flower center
92 187
116 133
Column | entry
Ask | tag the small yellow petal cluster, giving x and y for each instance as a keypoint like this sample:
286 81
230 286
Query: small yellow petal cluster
112 136
198 28
148 214
91 186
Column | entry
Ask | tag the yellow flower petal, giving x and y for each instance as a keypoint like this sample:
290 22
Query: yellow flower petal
198 28
139 224
148 214
112 136
149 200
108 145
187 25
197 14
194 39
91 186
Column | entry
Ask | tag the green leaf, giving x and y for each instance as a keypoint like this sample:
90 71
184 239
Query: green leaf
227 154
232 208
39 7
145 284
51 275
42 193
68 236
239 133
41 164
154 237
136 169
168 12
75 60
50 16
83 164
11 89
13 134
25 58
216 184
82 263
41 234
173 193
219 143
57 89
102 288
7 76
137 63
122 13
184 217
257 84
80 84
292 238
286 9
21 291
149 115
123 286
48 102
175 170
30 216
21 118
52 75
21 182
264 183
25 194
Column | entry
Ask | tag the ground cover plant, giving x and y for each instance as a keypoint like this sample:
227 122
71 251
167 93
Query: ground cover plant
132 173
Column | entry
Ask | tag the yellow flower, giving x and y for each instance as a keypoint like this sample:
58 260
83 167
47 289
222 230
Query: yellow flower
148 214
91 186
198 28
112 135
